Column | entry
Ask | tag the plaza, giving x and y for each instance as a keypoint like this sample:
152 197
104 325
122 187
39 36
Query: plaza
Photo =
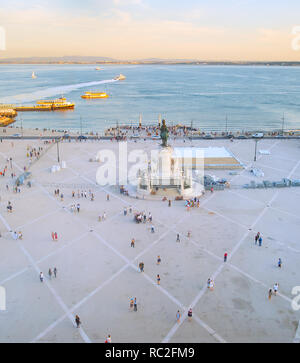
98 271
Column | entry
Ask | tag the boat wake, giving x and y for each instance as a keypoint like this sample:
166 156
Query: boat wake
50 92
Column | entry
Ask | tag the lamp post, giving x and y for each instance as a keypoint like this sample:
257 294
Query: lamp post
22 127
57 146
282 124
256 141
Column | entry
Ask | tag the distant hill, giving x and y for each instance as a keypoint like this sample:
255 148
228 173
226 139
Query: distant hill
107 60
65 59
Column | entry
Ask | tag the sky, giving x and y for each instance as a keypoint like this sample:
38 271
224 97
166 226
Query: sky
207 30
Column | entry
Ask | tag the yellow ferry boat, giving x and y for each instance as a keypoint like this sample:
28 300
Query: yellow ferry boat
48 105
90 95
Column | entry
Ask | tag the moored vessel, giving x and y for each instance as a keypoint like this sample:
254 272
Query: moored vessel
48 105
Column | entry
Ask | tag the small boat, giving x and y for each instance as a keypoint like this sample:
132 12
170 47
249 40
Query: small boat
120 77
33 76
89 95
98 69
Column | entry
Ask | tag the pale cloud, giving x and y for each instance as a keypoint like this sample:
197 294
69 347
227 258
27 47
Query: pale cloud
127 2
116 32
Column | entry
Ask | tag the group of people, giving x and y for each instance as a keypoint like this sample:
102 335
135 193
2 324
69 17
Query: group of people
258 239
75 208
33 152
50 273
141 217
54 236
192 203
84 194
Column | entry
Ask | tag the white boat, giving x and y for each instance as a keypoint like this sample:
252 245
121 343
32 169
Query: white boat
98 68
120 77
33 75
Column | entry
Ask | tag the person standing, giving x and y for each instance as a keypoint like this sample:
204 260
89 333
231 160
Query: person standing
135 305
132 242
131 304
178 238
55 272
158 260
279 262
78 207
50 273
41 277
257 237
77 321
108 339
275 288
270 294
260 241
158 280
225 257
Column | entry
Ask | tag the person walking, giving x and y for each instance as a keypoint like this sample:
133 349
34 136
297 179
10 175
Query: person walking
41 277
131 303
50 273
158 260
260 241
55 236
178 238
190 314
279 262
55 272
77 321
178 316
257 237
132 242
275 288
225 257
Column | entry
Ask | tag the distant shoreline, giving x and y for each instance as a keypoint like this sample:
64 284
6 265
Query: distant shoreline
39 61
